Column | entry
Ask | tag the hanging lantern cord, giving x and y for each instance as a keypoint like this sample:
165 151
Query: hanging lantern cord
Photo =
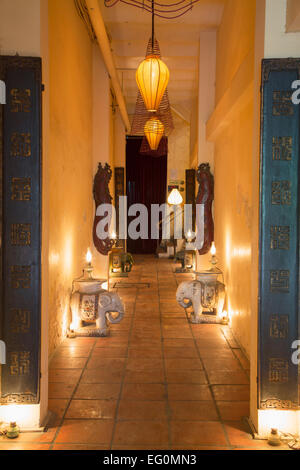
152 25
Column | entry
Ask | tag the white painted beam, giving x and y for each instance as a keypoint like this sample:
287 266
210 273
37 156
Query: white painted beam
104 44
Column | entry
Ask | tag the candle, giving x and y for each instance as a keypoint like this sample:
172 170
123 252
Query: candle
89 257
213 249
225 318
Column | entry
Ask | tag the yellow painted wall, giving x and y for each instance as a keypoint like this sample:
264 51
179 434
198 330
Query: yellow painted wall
234 40
20 27
70 158
233 164
103 138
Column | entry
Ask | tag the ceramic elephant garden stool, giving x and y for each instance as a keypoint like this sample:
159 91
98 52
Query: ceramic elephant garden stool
93 311
205 296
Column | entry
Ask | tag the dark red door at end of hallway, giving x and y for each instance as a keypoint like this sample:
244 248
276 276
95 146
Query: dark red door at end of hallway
146 180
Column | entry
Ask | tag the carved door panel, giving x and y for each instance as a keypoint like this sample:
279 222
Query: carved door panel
21 230
279 235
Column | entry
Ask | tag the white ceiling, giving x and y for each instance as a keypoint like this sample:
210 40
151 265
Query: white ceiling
130 29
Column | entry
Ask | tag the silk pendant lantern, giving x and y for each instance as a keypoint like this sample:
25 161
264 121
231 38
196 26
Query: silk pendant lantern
175 197
154 130
152 77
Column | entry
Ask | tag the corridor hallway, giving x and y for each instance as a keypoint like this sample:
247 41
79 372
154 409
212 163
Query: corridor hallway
157 382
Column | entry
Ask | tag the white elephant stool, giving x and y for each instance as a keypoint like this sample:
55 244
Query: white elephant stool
206 295
93 308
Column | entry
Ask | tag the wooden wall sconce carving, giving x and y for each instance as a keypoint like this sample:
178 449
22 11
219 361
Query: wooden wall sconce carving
206 196
102 196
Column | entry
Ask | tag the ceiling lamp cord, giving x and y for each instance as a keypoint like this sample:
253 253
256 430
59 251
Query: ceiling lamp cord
84 15
152 25
169 11
152 75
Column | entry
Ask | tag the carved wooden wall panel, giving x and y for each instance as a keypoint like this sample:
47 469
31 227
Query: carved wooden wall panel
21 231
102 196
279 235
205 196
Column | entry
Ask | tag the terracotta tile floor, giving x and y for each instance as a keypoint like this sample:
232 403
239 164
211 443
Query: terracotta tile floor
157 382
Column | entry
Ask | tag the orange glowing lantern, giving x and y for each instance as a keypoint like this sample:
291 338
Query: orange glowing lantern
152 77
154 130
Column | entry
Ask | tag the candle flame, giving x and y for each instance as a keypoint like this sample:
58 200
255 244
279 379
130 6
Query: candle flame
88 256
213 249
